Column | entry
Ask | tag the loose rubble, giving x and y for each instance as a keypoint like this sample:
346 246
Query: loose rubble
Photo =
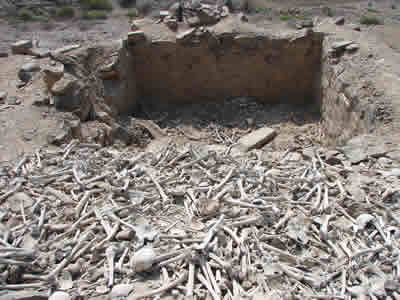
206 224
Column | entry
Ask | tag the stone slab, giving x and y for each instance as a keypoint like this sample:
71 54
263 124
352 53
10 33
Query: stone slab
257 138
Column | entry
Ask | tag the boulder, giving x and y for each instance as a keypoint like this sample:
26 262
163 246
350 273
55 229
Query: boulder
22 47
27 70
71 94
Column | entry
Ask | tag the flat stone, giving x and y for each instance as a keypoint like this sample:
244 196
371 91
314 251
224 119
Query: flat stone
23 295
339 20
362 147
21 47
64 49
341 45
257 138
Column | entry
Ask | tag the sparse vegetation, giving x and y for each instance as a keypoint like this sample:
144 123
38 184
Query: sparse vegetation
65 12
26 15
95 14
372 10
132 13
284 17
144 7
370 20
127 3
98 4
328 11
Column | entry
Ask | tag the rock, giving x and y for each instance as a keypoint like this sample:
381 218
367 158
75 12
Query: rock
224 11
339 20
355 27
40 52
243 17
59 136
193 21
51 75
27 70
22 47
134 26
136 37
75 127
185 35
3 96
256 139
120 291
362 147
143 259
23 295
172 24
44 101
60 296
31 67
207 16
352 47
341 45
15 201
64 49
65 92
12 100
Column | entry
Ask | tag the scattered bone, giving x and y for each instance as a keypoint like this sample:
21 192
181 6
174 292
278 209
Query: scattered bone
98 220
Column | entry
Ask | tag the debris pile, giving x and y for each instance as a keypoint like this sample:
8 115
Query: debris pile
194 223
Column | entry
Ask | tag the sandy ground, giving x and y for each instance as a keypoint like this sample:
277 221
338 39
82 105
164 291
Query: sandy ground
24 127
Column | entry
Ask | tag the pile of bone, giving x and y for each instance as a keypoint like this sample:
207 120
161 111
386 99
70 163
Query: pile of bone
84 221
